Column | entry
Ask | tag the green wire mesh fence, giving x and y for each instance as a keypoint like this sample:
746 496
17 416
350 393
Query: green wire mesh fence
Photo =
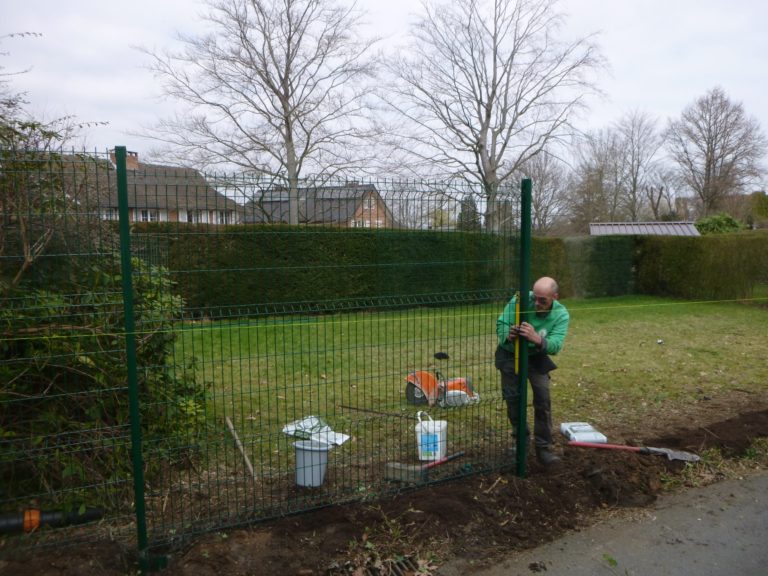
286 336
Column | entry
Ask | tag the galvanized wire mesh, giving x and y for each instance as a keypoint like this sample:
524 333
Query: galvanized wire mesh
317 299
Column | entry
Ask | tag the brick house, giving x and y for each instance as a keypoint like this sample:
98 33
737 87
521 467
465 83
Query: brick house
351 205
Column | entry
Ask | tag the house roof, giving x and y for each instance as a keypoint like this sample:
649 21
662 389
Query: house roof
643 229
317 205
160 187
150 186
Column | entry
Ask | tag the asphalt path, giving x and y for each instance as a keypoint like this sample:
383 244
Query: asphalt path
716 530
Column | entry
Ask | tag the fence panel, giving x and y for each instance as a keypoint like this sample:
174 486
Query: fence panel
247 323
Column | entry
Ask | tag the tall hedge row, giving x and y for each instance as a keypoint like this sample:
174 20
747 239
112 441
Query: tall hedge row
279 266
273 266
711 267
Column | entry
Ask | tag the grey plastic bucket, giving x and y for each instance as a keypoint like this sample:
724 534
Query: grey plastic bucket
311 462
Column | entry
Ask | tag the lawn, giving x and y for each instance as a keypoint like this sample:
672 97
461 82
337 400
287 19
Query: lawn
630 361
626 360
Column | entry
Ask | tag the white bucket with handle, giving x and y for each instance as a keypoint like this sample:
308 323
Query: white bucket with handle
431 437
311 462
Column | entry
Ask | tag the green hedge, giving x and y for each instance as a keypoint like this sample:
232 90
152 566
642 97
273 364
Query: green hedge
275 268
587 267
549 257
711 267
252 267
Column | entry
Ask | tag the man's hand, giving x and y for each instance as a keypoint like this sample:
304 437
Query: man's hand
526 331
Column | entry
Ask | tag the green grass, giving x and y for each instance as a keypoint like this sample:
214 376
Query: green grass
629 358
627 361
266 372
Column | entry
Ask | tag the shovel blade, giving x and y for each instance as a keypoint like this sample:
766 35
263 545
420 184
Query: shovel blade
675 454
409 473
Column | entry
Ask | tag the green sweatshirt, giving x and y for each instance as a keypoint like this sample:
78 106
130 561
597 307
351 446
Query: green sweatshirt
553 327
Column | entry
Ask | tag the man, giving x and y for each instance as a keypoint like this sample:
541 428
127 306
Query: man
541 336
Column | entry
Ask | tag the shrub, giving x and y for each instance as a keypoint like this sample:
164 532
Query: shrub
718 224
63 361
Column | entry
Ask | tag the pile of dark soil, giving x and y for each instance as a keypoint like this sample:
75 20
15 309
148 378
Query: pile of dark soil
478 519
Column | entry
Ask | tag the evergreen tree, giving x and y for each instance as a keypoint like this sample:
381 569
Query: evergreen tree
469 217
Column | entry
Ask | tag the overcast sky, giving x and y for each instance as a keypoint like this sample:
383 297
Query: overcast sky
663 54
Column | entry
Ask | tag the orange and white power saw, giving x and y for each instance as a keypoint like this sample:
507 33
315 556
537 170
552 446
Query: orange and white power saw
424 387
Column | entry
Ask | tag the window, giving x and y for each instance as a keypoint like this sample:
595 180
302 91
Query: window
224 217
196 216
111 214
148 216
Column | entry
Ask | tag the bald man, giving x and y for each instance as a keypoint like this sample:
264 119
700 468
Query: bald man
541 336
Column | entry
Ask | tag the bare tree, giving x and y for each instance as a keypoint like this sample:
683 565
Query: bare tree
640 144
597 193
277 88
550 185
717 148
11 102
614 170
486 85
38 185
405 208
659 191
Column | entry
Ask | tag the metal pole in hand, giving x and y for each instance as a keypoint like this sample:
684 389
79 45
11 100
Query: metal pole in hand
521 355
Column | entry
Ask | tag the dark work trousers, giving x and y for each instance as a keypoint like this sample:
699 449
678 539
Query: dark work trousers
510 391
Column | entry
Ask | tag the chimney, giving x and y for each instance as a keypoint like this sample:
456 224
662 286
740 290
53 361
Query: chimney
131 159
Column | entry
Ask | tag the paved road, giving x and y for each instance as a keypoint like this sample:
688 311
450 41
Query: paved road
717 530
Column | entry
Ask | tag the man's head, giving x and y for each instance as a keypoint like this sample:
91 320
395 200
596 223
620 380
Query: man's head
544 294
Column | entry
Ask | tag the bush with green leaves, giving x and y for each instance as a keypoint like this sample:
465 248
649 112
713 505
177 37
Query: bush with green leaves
64 414
718 224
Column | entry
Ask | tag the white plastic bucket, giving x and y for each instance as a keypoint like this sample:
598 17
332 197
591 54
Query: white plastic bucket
431 437
311 462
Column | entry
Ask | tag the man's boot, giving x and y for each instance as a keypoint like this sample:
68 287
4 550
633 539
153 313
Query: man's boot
546 456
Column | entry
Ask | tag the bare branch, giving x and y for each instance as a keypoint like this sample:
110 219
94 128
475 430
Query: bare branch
278 88
717 148
486 86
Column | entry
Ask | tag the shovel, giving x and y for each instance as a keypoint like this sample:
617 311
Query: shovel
669 453
398 472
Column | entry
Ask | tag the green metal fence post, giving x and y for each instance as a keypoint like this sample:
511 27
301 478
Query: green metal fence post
525 272
130 355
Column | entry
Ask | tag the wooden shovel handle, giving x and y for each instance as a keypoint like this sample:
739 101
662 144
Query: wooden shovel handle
607 446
